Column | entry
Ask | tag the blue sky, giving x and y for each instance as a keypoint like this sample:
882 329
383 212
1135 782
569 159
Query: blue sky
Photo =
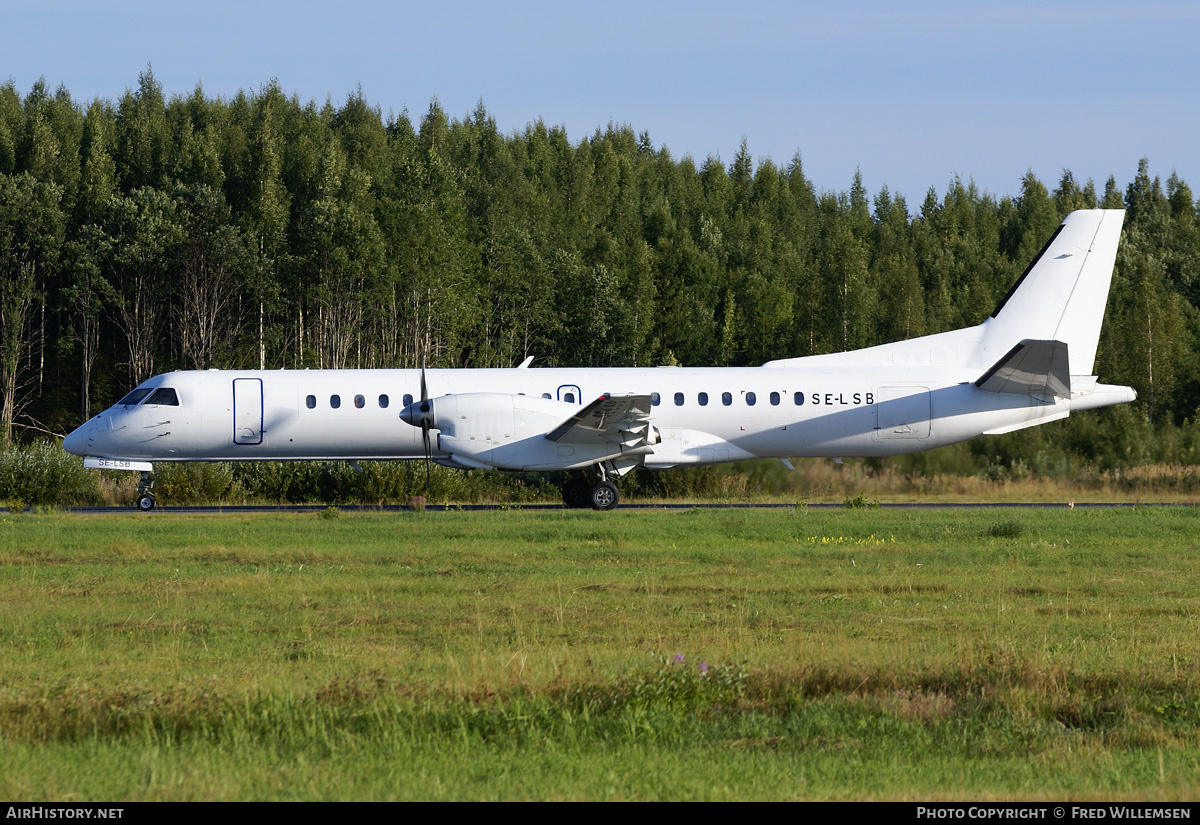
910 93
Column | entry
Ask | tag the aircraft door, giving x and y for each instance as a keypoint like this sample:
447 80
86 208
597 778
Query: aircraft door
247 411
570 393
902 412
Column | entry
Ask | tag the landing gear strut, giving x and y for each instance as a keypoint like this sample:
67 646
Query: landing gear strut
145 494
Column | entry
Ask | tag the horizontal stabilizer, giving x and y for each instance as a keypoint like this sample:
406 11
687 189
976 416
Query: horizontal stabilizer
1039 368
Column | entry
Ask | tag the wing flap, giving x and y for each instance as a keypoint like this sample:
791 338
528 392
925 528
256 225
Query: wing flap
610 419
1038 368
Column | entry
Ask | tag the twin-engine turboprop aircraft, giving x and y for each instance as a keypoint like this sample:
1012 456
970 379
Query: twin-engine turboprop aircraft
1027 364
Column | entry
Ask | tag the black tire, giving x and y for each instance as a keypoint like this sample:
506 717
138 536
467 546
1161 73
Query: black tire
576 493
604 496
145 503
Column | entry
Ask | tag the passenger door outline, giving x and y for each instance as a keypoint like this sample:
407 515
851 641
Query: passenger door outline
247 411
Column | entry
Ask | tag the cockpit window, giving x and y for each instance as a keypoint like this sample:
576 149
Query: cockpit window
134 397
164 396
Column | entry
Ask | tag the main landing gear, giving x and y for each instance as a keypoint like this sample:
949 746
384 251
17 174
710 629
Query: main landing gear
579 492
145 494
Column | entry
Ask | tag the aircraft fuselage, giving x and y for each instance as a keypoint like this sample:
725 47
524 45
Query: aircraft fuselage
703 415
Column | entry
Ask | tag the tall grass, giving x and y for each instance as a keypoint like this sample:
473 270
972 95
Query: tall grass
698 654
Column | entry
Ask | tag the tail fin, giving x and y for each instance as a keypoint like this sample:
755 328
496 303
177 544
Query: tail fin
1061 296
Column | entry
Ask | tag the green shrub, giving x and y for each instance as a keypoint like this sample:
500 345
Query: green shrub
44 474
194 482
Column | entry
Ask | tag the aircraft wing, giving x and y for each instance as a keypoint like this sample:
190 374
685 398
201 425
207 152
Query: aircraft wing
610 419
1038 368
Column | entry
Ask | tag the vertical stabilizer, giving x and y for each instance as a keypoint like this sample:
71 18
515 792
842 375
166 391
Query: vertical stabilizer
1061 296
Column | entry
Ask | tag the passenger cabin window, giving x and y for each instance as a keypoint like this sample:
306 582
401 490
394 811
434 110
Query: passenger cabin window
569 397
407 399
751 399
359 402
311 402
774 399
655 399
726 398
546 395
383 402
335 401
164 396
134 397
798 398
678 399
702 399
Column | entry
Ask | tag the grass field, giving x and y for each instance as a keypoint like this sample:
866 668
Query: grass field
854 654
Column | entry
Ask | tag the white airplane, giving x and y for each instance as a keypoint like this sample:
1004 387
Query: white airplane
1027 364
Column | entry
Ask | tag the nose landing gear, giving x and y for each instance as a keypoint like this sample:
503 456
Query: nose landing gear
145 494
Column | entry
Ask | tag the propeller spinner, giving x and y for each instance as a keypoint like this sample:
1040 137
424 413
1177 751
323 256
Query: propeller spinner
420 414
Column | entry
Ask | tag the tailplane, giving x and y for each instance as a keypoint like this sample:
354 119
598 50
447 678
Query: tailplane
1037 368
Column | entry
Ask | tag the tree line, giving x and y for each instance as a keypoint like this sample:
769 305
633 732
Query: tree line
155 233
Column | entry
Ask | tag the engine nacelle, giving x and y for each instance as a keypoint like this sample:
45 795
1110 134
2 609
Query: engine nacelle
491 416
486 430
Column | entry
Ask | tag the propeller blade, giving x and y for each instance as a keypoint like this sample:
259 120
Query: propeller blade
420 414
428 460
425 427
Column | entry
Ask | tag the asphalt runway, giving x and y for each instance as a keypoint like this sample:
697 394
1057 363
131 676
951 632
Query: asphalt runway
398 508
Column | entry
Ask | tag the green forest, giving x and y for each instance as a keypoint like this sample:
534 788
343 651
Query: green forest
162 232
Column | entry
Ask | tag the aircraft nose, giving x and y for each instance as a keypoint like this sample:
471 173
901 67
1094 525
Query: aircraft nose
76 441
89 437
